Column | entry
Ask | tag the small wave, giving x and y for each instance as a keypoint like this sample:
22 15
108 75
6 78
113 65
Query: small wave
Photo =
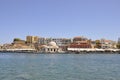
23 77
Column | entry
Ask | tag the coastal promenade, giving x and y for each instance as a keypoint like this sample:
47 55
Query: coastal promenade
18 50
92 50
73 50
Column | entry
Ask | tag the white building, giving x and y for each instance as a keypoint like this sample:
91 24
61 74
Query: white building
50 48
106 44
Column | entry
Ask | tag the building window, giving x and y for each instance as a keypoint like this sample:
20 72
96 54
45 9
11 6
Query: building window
54 50
48 49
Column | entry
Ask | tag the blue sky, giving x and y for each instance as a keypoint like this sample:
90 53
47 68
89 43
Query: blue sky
94 19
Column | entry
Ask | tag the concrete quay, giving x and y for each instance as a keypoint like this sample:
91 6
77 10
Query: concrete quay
96 50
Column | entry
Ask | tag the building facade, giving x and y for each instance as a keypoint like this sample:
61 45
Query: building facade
61 42
32 39
50 48
80 42
106 44
58 41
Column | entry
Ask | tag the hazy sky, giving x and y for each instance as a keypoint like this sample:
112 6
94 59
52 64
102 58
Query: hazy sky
94 19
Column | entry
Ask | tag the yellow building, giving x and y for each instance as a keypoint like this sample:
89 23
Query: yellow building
32 39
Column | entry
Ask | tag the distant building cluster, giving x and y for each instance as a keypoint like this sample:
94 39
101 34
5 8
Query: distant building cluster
52 45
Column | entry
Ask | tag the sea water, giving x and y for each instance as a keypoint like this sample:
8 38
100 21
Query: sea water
26 66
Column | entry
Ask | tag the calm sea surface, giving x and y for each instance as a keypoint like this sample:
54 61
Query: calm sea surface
22 66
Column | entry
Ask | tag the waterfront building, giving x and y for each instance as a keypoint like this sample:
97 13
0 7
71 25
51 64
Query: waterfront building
61 42
58 41
106 44
42 41
32 39
50 48
80 42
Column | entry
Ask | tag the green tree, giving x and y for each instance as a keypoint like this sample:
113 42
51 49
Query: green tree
118 46
16 39
98 44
